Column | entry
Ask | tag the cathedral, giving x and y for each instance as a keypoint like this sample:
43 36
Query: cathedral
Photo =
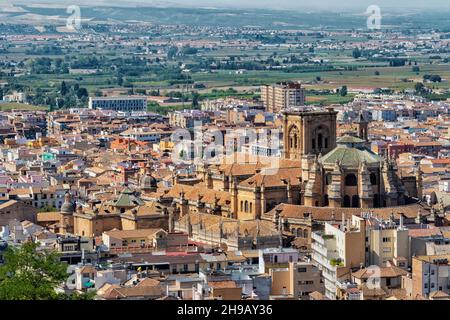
316 170
342 172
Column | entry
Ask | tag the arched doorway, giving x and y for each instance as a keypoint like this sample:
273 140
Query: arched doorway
355 201
347 201
376 201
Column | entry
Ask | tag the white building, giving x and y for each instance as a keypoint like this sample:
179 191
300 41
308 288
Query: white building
125 103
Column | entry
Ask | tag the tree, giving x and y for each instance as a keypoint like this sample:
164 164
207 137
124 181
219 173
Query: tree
64 90
29 274
419 88
415 69
343 91
82 92
356 53
48 209
171 53
377 73
195 98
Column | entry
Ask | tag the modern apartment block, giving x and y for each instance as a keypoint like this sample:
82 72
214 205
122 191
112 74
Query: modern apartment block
125 103
337 249
282 95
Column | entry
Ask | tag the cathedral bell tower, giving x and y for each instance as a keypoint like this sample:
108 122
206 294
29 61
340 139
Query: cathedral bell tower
362 126
308 132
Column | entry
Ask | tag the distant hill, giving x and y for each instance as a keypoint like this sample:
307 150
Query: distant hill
168 13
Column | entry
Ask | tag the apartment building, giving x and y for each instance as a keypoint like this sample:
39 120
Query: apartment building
338 249
386 241
282 95
299 279
430 274
124 104
188 118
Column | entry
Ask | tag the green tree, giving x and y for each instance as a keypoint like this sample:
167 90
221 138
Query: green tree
48 209
195 98
343 91
29 274
64 90
420 88
356 53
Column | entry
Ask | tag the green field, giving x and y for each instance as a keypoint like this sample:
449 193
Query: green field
20 106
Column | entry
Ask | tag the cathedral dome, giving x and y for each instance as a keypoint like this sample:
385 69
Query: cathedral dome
148 182
67 206
351 152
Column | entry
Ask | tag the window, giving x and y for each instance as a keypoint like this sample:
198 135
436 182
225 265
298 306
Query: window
346 201
302 269
355 201
326 201
386 239
185 267
351 180
328 179
373 179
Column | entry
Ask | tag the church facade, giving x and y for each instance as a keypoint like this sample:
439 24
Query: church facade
316 170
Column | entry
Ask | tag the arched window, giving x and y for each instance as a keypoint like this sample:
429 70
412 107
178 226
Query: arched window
376 201
351 180
305 233
242 206
328 179
319 141
320 138
326 202
373 179
293 137
346 201
251 207
355 201
246 206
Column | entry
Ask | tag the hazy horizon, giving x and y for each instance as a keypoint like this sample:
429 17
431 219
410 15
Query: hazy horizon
328 5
